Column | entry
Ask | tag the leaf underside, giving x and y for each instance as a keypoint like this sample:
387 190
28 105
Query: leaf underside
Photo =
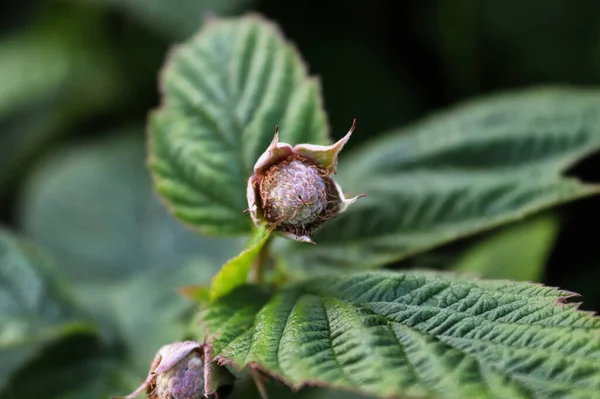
413 335
483 164
224 92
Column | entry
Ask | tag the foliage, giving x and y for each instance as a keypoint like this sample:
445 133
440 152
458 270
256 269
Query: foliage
413 334
478 166
471 169
224 92
91 261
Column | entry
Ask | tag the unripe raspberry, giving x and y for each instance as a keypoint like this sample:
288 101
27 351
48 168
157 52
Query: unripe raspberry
184 380
293 193
291 189
184 370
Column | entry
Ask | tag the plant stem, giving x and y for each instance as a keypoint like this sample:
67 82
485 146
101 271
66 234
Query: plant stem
258 268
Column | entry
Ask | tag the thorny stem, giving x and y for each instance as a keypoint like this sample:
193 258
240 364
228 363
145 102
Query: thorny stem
258 268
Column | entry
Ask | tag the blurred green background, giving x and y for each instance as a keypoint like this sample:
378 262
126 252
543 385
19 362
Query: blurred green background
81 311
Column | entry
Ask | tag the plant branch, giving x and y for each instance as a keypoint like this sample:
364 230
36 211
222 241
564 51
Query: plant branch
258 267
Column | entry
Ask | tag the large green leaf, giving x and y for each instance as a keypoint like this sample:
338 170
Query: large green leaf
480 165
416 334
224 92
35 308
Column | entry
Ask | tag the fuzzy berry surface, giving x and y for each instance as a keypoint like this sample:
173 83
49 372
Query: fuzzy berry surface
297 196
184 381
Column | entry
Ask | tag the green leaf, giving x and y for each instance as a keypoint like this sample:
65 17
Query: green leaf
518 252
418 334
224 92
35 308
235 272
483 164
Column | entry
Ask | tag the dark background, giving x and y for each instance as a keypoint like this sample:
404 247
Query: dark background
388 63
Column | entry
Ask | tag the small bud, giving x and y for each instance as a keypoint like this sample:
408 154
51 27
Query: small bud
291 188
183 370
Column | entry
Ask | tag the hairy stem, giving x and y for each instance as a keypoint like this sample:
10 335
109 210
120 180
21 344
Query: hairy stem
258 268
